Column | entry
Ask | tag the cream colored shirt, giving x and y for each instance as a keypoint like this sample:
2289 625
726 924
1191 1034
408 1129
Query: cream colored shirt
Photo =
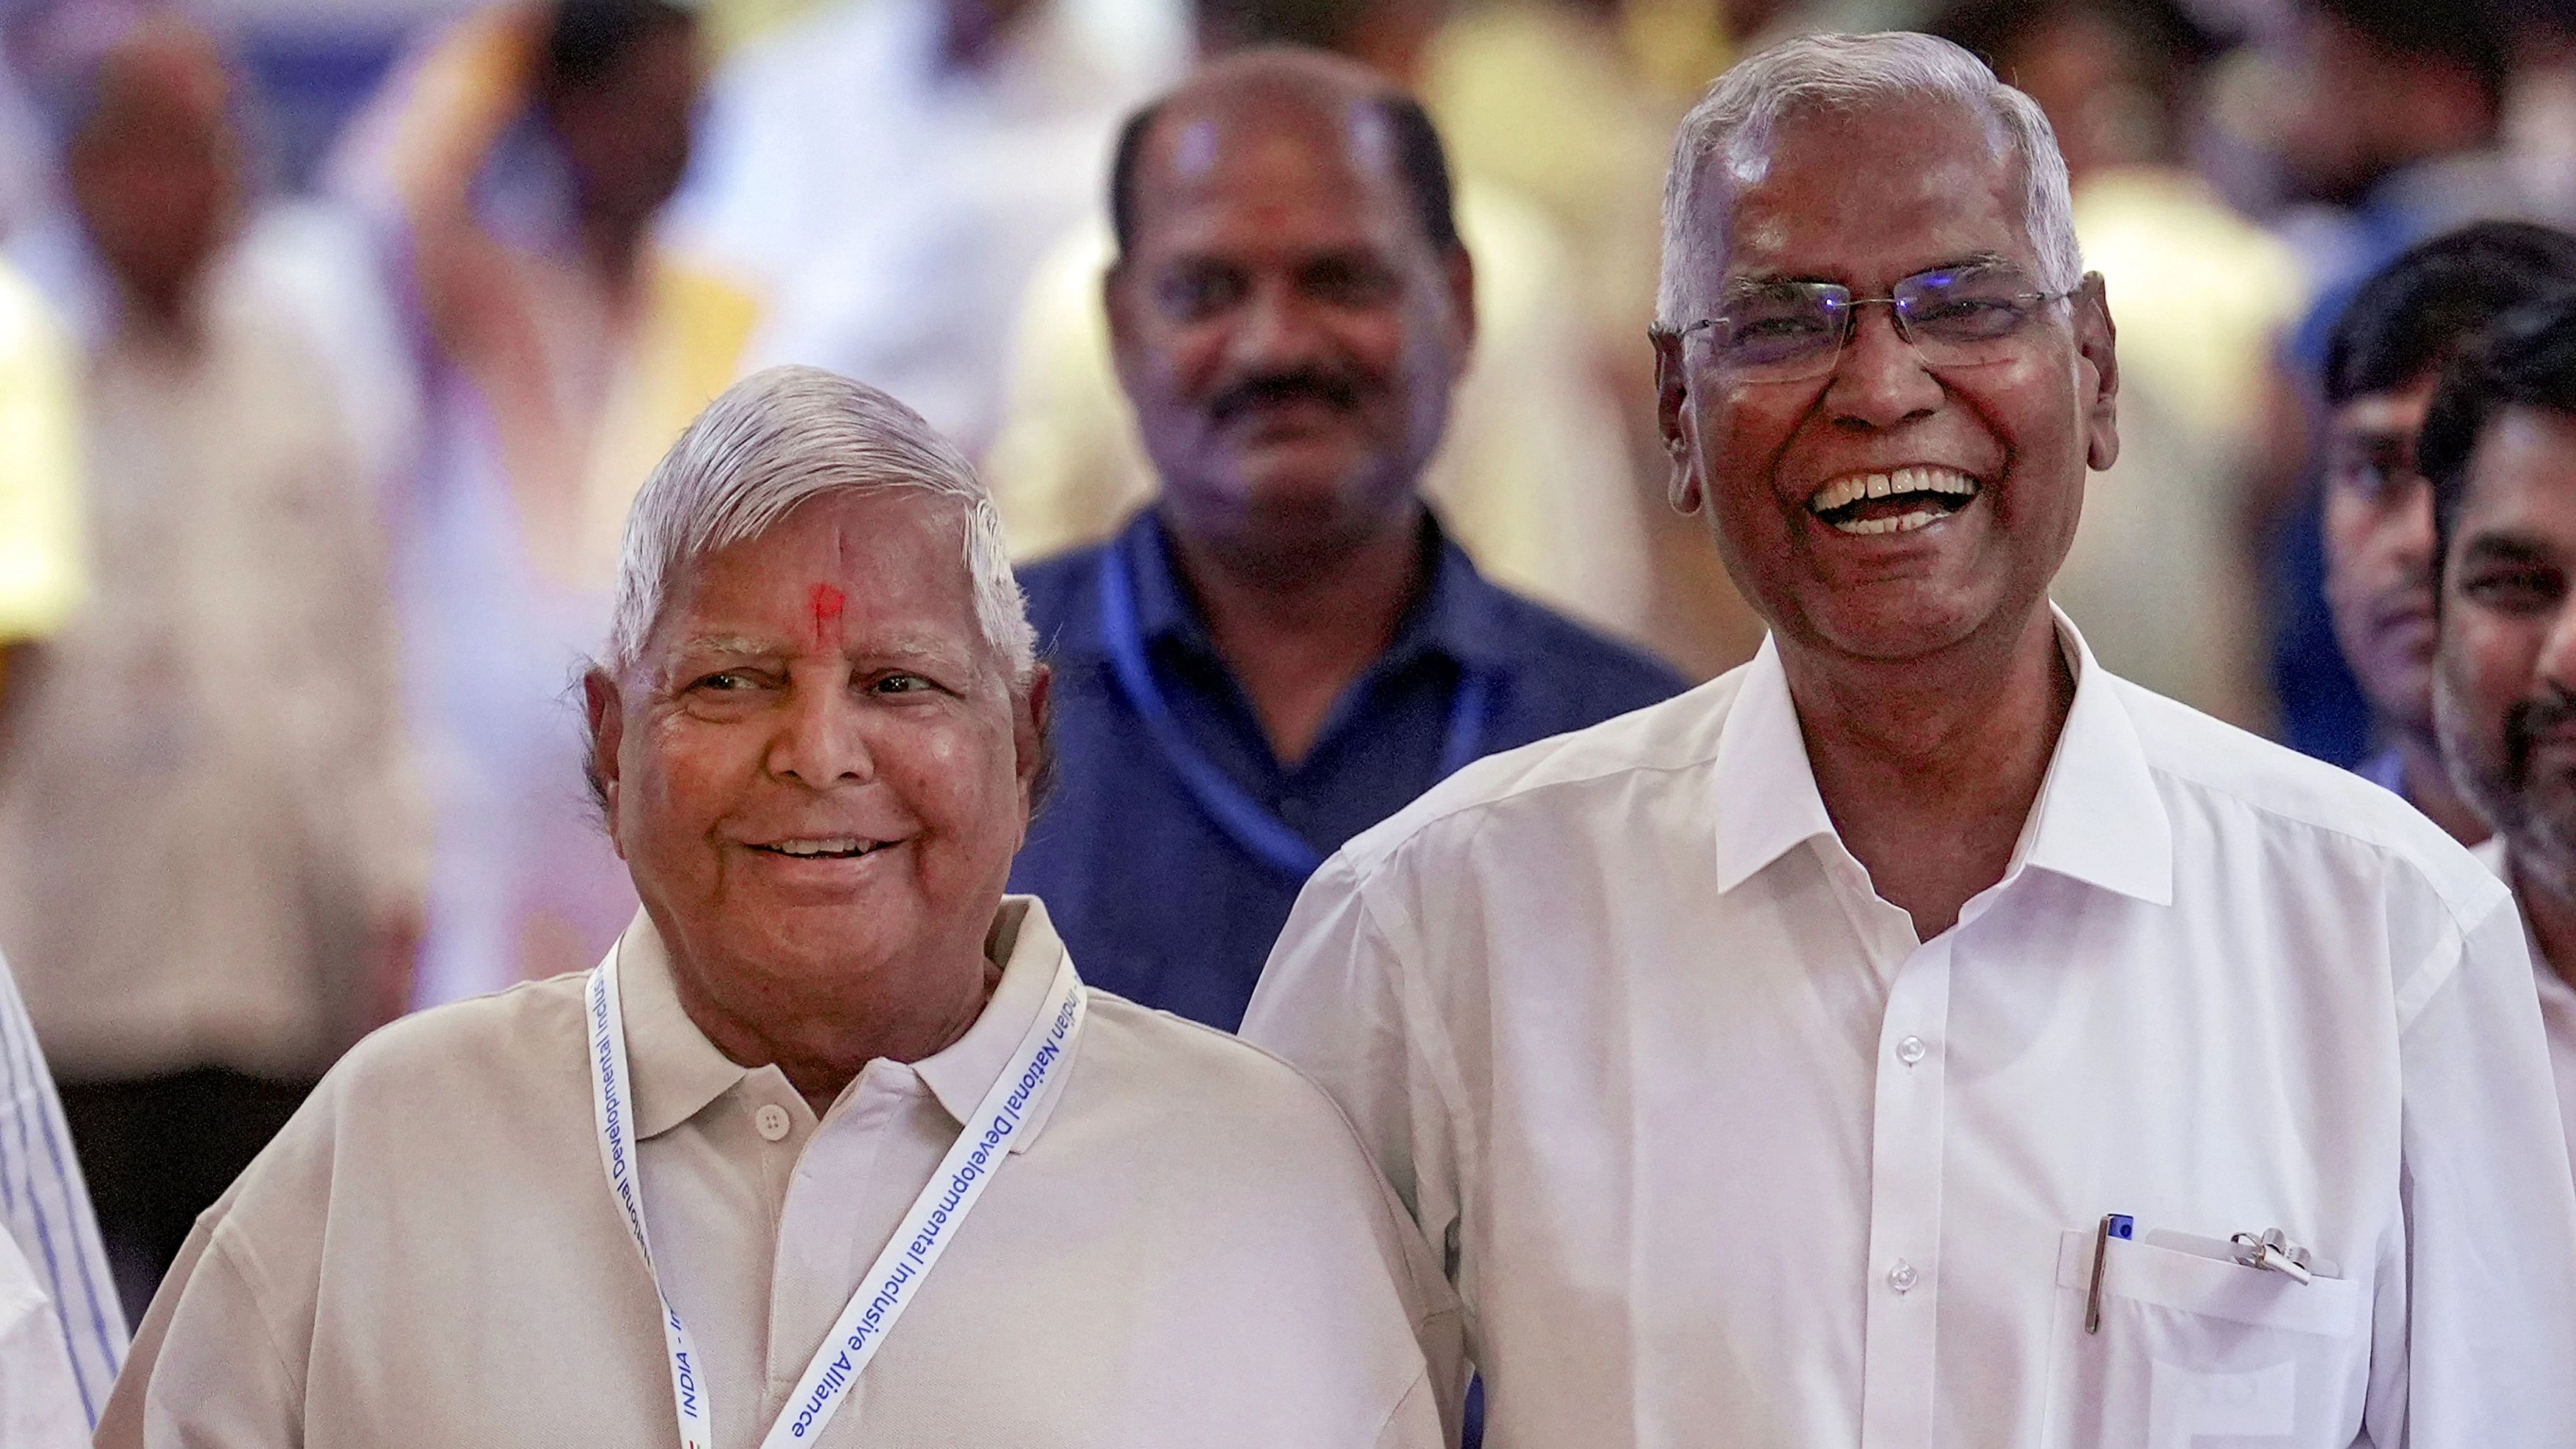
1187 1248
1729 1156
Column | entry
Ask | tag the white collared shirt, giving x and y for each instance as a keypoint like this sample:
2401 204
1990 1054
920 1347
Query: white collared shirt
2557 1002
1723 1154
1186 1247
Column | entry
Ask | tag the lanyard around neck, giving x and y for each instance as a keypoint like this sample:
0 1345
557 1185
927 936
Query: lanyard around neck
926 1230
1258 831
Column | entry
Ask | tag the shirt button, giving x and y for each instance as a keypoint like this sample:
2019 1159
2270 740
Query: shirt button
1901 1277
772 1121
1910 1050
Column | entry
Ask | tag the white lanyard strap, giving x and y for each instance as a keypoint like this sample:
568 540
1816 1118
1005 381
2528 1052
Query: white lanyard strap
889 1286
613 1108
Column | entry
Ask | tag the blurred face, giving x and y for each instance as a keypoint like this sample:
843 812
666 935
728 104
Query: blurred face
819 771
1287 332
2088 75
626 133
2379 552
1819 488
156 169
2506 694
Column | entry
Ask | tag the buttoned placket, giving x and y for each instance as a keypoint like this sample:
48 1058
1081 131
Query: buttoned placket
1901 1320
819 1259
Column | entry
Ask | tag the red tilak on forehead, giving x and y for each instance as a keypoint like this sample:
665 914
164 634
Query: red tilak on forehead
827 609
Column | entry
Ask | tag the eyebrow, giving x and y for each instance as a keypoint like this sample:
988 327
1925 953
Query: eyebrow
730 644
2507 546
906 648
1966 262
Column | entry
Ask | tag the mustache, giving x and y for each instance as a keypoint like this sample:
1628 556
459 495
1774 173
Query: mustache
1340 390
2530 719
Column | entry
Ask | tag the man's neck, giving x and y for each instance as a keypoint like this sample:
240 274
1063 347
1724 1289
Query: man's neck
1930 768
2548 900
1295 635
2427 786
822 1050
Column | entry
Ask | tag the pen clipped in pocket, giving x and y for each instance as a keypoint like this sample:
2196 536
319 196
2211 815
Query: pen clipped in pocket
2189 1342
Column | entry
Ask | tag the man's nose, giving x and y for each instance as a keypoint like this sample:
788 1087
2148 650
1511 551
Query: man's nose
1275 329
2557 662
1879 380
2411 537
822 739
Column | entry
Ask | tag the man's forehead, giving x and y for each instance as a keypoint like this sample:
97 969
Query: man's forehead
1867 195
2522 475
1287 155
2396 414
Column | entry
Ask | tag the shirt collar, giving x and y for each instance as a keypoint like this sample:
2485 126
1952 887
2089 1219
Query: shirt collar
1460 615
1025 942
2099 818
676 1070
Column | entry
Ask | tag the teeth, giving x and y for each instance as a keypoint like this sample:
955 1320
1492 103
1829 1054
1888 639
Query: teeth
1903 523
836 845
1843 492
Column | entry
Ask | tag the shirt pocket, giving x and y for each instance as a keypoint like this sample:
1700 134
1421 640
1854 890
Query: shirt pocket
2196 1353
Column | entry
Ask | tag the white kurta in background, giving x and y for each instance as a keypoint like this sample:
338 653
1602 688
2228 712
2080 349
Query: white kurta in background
1723 1154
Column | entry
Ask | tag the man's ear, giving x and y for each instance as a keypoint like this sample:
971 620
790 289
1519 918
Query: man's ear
1122 322
1673 422
1459 270
604 712
1035 752
2096 343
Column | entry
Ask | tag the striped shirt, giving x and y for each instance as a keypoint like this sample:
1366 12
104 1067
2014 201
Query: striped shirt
58 1304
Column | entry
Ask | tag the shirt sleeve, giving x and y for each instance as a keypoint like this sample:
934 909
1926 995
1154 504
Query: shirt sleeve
206 1371
1333 1001
45 1213
2477 1323
40 1402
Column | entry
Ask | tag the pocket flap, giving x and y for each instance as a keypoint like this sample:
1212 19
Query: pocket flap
2190 1284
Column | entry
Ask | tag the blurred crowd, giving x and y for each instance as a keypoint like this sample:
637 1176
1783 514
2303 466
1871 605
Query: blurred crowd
330 360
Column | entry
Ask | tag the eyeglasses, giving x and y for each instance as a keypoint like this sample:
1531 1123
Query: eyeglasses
1795 331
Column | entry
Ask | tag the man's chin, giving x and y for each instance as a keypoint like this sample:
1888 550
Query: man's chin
1896 622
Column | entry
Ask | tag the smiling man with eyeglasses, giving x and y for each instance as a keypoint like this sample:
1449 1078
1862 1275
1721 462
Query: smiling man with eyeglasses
1921 1036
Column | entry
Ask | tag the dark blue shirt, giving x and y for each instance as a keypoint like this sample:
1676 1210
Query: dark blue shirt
1155 900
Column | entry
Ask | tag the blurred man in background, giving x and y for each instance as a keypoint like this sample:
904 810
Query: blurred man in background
209 849
1536 478
62 1330
2386 353
2500 448
517 169
1287 646
2388 118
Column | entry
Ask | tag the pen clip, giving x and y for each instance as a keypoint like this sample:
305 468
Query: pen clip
2114 1225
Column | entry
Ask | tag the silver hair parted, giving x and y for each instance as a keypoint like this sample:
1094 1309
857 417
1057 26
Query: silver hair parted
1733 125
782 437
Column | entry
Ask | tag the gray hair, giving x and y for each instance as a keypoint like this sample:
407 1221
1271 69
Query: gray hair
777 439
1735 120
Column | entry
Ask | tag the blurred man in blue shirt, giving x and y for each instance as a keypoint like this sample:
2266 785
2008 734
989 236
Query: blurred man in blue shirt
1286 648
